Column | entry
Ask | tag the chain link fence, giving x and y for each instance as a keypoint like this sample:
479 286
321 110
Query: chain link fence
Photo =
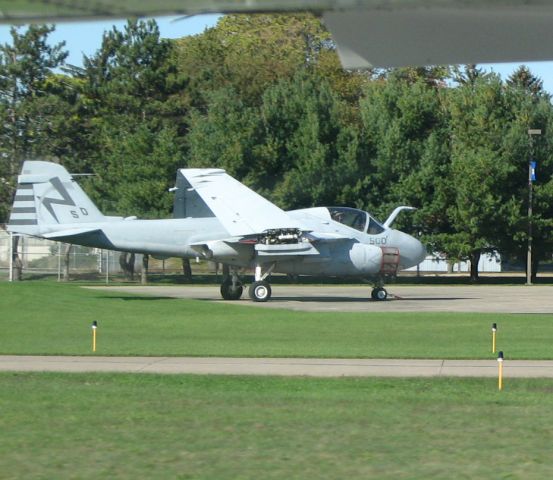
39 257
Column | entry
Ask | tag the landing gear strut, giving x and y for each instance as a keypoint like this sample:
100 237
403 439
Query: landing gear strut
231 288
260 290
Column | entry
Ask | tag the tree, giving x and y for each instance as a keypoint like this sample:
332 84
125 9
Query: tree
248 53
295 148
25 67
225 134
405 138
132 89
469 74
522 78
309 147
530 108
479 121
490 152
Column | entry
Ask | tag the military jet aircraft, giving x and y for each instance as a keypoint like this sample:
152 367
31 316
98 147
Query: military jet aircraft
378 33
220 219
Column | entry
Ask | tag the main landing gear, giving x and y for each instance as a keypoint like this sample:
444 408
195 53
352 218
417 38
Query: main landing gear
259 290
231 288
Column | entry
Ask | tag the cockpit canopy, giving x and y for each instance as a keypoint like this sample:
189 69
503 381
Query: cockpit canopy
357 219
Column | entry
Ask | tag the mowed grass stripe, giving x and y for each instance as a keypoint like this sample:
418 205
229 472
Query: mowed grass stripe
150 426
45 318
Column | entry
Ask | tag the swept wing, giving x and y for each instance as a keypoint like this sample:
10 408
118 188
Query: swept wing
241 211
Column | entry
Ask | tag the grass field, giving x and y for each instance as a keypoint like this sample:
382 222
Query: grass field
149 426
123 426
51 318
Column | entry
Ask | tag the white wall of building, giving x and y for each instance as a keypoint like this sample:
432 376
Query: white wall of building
489 263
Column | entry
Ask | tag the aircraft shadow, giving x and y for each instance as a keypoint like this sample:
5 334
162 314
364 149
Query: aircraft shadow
362 300
296 299
121 297
321 299
431 299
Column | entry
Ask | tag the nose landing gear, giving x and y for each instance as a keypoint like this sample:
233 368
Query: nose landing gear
379 294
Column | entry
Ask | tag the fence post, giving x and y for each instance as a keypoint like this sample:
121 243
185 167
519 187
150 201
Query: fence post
59 261
107 267
11 257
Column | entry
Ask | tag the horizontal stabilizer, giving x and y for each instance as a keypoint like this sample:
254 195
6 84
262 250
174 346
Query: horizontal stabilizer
71 232
88 237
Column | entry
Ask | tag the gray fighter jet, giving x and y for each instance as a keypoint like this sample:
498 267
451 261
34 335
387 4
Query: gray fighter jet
220 219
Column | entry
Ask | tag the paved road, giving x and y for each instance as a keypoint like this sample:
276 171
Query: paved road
354 298
311 367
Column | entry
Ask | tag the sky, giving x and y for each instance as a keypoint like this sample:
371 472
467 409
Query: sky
86 37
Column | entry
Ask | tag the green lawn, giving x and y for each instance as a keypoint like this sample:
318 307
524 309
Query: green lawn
208 427
50 318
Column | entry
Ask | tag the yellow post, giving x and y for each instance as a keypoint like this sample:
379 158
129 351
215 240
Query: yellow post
500 362
94 328
494 332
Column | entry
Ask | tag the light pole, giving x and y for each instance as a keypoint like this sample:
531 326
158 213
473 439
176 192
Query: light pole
531 178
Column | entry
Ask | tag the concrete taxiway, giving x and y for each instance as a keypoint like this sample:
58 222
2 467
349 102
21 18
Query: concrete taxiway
309 367
355 298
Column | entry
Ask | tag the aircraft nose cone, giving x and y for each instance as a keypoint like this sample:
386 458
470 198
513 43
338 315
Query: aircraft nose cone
411 251
419 252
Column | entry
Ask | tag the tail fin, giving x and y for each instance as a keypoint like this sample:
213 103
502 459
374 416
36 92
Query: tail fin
187 202
47 196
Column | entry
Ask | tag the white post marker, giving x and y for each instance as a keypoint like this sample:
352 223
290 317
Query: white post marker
500 362
94 328
494 333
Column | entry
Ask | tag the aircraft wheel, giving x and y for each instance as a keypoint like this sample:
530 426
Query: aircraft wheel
260 291
379 294
230 292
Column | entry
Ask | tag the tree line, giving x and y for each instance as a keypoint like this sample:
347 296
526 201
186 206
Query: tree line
265 97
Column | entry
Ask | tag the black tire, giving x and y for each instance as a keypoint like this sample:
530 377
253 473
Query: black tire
228 292
260 291
379 294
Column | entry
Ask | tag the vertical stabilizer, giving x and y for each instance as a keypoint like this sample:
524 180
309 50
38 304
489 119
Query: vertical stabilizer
187 203
48 196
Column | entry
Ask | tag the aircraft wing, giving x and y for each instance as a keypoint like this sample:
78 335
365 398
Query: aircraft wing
368 33
427 32
240 210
